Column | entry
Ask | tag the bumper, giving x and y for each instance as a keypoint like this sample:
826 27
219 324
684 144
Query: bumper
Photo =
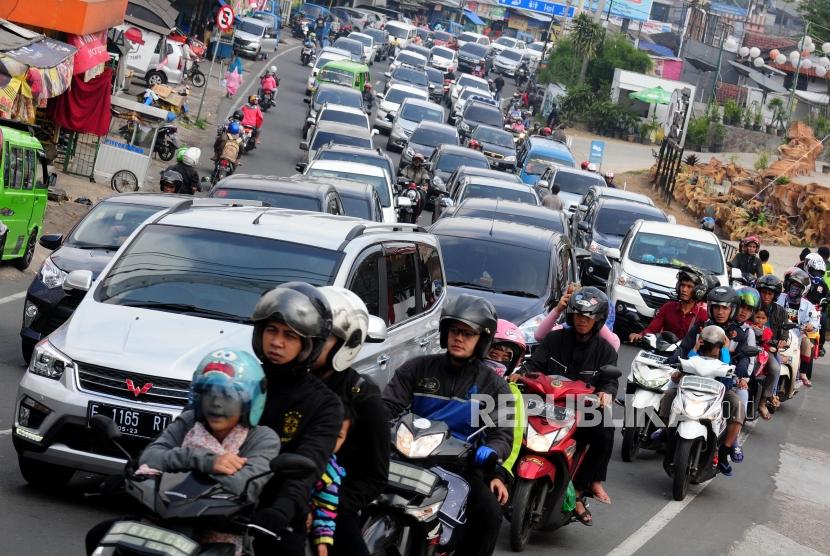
381 122
54 308
398 138
250 49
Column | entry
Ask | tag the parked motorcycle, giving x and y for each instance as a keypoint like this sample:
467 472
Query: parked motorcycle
425 500
194 75
167 142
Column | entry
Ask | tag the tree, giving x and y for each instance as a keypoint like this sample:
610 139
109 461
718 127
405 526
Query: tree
587 37
616 52
817 12
562 64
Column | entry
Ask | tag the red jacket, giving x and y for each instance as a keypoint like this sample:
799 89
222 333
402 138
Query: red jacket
671 318
252 116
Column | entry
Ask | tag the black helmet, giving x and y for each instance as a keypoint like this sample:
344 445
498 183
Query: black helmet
238 115
797 276
476 313
304 309
693 275
770 282
590 302
171 176
723 296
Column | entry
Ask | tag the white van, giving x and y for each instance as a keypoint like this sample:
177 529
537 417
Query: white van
403 32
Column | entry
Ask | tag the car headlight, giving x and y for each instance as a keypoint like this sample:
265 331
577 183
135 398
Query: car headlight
628 281
510 159
528 327
407 445
595 247
51 275
409 152
48 361
649 377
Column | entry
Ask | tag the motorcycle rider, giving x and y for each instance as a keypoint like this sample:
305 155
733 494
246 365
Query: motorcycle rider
750 302
252 117
746 260
769 288
416 171
311 42
231 145
368 98
707 223
441 386
570 352
186 166
269 82
499 84
292 323
609 179
678 316
171 181
819 292
800 311
237 117
365 453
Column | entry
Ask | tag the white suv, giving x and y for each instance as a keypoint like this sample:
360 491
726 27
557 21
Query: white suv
185 283
644 269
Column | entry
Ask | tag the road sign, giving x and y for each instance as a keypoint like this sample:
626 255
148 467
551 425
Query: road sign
224 18
597 150
549 8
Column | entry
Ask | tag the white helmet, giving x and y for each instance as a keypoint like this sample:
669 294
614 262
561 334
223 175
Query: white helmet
592 167
191 156
813 261
273 69
350 324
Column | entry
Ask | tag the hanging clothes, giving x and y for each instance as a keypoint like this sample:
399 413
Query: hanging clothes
85 107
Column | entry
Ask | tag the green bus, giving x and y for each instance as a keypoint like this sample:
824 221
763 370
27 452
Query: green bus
345 72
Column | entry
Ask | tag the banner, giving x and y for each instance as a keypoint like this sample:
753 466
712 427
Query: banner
517 21
92 54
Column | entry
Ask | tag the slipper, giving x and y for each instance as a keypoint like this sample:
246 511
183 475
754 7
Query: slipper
601 496
584 517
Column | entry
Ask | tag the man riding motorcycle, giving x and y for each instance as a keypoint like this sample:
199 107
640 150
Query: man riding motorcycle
171 181
416 171
186 166
819 291
746 260
231 145
368 98
252 117
678 316
237 117
800 311
441 387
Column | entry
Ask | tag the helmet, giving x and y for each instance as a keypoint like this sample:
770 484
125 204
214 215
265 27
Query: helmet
350 324
751 239
584 165
180 153
815 267
234 128
253 99
591 167
475 312
526 114
749 297
714 334
417 156
590 302
304 309
508 333
723 296
312 35
474 144
173 177
191 156
237 374
770 282
693 275
708 223
238 115
273 69
795 275
546 131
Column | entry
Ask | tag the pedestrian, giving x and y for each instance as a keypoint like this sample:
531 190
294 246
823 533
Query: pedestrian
552 200
763 254
499 83
553 116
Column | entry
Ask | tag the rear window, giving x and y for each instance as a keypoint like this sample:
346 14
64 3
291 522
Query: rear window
443 52
473 49
416 113
617 222
506 41
450 161
411 76
574 183
323 137
483 115
397 96
272 198
469 37
352 46
491 192
435 76
397 32
433 137
376 34
343 117
411 59
364 40
466 81
553 223
251 27
494 136
511 55
358 207
336 95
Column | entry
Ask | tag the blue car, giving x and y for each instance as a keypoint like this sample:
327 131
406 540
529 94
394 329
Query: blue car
536 154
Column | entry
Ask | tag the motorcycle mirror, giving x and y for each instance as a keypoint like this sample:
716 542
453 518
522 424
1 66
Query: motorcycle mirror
402 180
300 167
292 466
310 120
610 371
375 131
105 427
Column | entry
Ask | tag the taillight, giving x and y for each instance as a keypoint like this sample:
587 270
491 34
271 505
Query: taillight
224 163
181 63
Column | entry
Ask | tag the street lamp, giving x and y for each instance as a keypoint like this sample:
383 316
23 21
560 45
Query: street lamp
731 45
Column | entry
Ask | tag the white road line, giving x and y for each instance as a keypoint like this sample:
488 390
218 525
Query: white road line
12 297
244 94
667 513
5 432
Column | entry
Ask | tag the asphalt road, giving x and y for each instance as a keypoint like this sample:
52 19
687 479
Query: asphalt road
641 520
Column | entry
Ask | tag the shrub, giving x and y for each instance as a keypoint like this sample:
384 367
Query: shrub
731 113
762 162
697 132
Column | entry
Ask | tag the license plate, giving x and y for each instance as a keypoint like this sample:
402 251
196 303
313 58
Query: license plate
132 422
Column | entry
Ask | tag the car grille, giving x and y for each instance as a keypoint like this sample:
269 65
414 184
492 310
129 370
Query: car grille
241 42
493 155
112 382
57 315
654 299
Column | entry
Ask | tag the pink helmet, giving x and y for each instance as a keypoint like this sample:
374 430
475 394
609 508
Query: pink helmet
509 333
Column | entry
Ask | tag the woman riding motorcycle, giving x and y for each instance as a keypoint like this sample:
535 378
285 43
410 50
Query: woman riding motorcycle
746 260
252 117
802 312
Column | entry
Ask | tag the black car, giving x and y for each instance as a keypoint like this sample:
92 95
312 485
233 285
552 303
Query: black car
332 94
425 139
605 223
522 270
509 211
360 200
296 192
90 245
470 55
493 188
596 191
436 81
447 158
497 145
478 113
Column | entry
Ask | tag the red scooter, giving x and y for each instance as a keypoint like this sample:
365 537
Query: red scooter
550 455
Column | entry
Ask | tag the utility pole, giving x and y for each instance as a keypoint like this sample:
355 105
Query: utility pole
796 76
720 57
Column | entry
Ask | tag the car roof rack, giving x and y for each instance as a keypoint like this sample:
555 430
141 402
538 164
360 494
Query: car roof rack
362 229
209 202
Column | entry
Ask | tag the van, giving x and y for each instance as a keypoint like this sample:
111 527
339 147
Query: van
345 72
250 37
401 32
22 193
536 154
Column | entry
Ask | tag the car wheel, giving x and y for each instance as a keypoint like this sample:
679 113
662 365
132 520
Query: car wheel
23 262
155 77
44 475
27 348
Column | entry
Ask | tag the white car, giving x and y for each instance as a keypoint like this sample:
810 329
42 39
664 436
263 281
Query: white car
391 101
644 269
369 46
467 93
170 72
403 33
506 42
467 80
409 58
509 61
251 37
361 173
339 114
536 51
444 59
326 133
328 54
477 38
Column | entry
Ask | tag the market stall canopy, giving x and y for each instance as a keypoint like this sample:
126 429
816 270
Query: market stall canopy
654 95
655 48
474 19
154 15
77 17
534 15
814 98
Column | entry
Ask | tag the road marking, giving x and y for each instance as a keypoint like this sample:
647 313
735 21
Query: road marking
667 513
12 297
253 82
5 432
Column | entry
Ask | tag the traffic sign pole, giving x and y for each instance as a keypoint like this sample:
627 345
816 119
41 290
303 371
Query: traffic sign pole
209 75
224 21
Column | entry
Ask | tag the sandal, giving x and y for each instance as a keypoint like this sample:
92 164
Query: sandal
736 454
584 517
776 402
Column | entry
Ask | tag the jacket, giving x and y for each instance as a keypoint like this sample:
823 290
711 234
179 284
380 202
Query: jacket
419 175
670 317
739 338
365 453
307 416
806 313
252 116
747 264
165 453
552 202
561 354
190 178
777 318
268 83
432 387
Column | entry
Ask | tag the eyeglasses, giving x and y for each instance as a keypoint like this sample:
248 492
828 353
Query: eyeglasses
465 333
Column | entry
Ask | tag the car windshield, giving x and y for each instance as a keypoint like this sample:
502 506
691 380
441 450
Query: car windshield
351 45
435 76
483 115
480 191
491 266
209 273
441 36
376 34
397 32
325 59
397 96
570 182
675 252
471 82
442 52
344 118
434 137
378 182
468 37
324 137
511 55
271 197
358 207
364 39
537 47
506 41
251 27
336 95
448 162
474 50
553 223
616 222
411 59
418 113
108 225
411 76
470 91
494 136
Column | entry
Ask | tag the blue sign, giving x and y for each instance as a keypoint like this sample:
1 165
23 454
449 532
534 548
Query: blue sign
549 8
597 150
637 10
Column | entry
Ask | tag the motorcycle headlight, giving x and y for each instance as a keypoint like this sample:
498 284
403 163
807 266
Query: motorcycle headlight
510 159
595 247
539 442
48 361
51 275
409 152
406 444
649 377
628 281
528 327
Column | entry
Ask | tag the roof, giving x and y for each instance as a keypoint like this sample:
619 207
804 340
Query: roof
767 42
350 167
301 186
407 88
602 191
417 101
632 206
501 206
529 237
342 108
343 129
465 170
677 230
537 141
354 189
348 64
334 86
437 126
154 15
789 68
728 91
497 182
334 50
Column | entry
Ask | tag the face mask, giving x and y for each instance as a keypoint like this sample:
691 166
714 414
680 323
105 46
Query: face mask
795 291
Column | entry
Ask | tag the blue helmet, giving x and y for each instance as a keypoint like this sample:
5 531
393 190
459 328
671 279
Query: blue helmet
237 373
233 127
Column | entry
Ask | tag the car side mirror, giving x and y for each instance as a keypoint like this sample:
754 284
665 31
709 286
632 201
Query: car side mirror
310 120
78 282
51 241
303 145
736 274
446 202
390 117
584 226
376 333
300 167
431 87
380 95
613 253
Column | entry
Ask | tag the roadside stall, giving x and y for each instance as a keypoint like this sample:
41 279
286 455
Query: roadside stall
124 154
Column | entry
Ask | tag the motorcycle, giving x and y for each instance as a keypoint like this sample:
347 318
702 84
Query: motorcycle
647 382
521 76
425 499
550 455
756 381
173 504
790 356
417 199
248 138
222 169
306 55
194 75
166 142
266 100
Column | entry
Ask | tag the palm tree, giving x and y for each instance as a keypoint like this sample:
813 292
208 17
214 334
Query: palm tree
587 36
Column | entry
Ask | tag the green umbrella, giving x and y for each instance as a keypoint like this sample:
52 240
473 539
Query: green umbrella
655 95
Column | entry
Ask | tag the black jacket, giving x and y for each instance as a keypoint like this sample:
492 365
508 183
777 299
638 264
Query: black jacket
777 318
431 384
738 337
190 182
365 453
561 354
747 264
307 416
